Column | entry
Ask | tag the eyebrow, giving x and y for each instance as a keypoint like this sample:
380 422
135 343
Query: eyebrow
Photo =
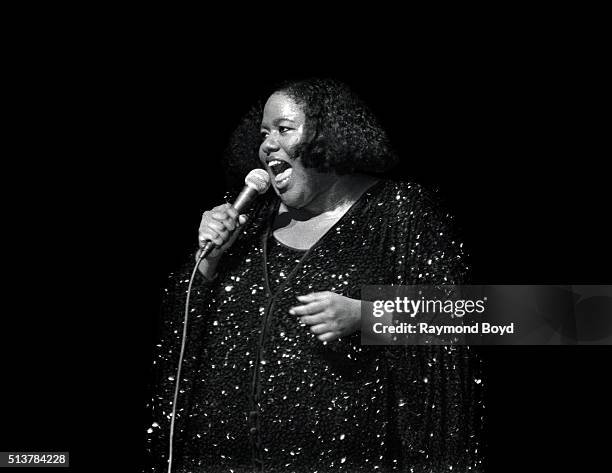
276 121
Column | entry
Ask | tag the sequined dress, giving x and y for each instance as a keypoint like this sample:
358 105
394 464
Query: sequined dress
259 392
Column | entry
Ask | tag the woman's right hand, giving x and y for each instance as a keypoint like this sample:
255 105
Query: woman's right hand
220 225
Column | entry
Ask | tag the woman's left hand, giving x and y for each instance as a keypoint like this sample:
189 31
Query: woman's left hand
329 315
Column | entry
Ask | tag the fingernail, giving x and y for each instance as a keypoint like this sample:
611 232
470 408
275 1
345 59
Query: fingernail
292 312
300 297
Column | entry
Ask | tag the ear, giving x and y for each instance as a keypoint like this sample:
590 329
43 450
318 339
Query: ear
311 131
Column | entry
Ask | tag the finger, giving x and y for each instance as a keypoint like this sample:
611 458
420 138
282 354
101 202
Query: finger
223 216
207 236
308 309
328 336
217 226
320 329
225 219
216 240
313 296
233 213
314 319
242 219
212 234
221 208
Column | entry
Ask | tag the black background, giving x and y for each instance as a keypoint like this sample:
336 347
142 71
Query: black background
117 151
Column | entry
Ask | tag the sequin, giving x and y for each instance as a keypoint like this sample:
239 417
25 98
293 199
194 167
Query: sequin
259 389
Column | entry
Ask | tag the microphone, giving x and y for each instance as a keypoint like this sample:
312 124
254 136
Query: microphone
256 182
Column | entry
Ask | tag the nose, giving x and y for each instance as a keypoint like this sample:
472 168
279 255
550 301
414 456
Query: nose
270 143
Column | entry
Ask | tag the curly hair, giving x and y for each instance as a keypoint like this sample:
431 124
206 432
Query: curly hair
346 137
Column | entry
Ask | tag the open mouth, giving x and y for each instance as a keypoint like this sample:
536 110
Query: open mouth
281 170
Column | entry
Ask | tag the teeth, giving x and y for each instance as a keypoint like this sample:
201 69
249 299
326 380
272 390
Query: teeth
274 162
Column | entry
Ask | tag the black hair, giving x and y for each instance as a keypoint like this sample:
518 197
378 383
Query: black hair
346 136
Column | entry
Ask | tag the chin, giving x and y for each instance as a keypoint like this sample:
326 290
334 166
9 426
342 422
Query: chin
290 200
293 198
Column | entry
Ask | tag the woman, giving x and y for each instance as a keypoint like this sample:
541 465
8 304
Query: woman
275 377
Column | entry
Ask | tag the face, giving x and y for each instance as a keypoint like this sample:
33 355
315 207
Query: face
283 127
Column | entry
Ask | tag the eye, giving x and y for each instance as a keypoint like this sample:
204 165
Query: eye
263 134
283 129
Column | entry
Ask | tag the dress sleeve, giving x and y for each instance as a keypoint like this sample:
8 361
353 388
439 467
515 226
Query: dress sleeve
168 345
437 400
165 361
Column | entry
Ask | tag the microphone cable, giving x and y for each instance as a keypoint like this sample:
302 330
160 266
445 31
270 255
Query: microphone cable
180 363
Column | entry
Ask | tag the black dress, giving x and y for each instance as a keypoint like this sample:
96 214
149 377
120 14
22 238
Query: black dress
259 392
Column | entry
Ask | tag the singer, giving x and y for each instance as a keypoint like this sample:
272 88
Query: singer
274 376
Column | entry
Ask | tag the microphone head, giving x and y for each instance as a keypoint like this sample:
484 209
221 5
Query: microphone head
258 179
